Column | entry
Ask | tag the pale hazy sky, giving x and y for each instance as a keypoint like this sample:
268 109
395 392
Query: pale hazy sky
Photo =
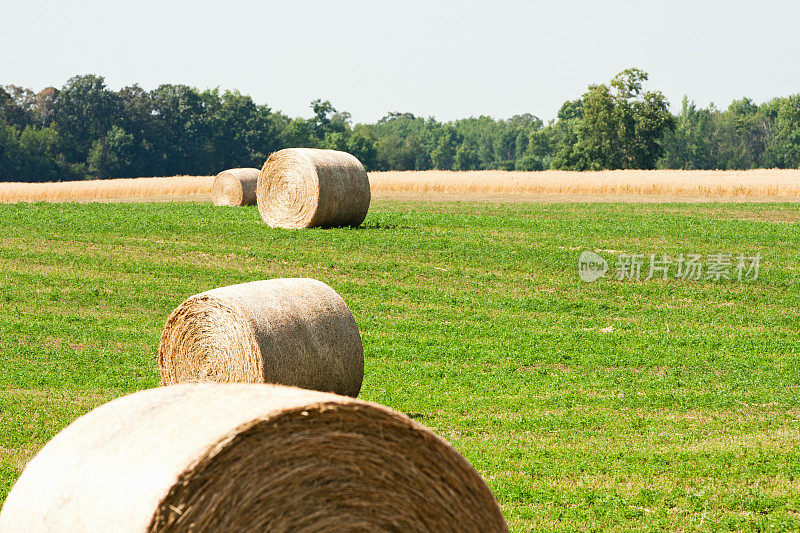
445 59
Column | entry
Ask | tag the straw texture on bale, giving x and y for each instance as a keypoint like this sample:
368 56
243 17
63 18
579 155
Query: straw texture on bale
244 457
306 187
294 331
236 186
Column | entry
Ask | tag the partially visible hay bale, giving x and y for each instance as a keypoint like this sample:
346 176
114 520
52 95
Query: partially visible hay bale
306 187
236 186
295 331
236 457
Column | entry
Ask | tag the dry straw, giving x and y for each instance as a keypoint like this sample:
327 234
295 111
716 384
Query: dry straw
306 187
236 186
663 184
240 457
294 331
177 188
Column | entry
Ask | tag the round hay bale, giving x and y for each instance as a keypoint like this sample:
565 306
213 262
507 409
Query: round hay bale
306 187
236 186
239 457
295 331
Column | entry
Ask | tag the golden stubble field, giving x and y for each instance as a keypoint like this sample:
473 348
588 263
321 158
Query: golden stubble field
761 185
609 185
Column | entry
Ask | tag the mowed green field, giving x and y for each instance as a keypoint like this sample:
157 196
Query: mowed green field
603 406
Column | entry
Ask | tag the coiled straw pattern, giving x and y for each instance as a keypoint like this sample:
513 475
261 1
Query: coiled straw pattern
236 187
238 457
307 187
294 331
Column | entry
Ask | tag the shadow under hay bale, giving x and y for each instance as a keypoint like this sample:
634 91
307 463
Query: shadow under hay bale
295 331
307 187
237 457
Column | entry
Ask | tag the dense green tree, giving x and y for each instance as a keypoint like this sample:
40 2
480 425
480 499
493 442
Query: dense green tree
29 155
113 156
621 126
85 130
539 150
139 120
467 158
692 145
336 140
361 144
443 155
5 104
182 131
321 122
512 138
299 133
83 112
743 133
783 150
404 142
11 159
399 153
479 135
40 148
563 134
44 107
239 134
17 105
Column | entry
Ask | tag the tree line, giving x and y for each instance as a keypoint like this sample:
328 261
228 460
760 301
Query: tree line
86 131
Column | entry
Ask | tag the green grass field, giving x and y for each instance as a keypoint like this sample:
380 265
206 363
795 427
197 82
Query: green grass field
603 406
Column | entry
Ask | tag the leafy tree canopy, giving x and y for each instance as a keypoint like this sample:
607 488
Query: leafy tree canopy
84 130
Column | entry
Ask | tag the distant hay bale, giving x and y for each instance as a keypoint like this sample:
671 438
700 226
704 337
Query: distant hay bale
288 331
237 457
306 187
236 186
174 189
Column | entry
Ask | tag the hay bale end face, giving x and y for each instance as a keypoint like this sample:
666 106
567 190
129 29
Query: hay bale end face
306 187
236 186
294 331
238 457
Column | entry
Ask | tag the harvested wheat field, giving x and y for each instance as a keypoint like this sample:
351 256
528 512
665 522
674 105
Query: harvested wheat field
771 185
176 188
606 186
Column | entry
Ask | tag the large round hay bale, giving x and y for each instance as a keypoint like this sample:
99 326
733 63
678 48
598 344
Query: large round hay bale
238 457
306 187
236 186
295 331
